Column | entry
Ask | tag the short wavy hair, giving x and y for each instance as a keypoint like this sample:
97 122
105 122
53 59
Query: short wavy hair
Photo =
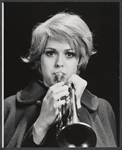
68 27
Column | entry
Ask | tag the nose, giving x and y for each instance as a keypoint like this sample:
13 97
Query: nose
59 62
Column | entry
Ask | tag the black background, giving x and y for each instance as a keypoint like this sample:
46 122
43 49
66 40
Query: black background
102 73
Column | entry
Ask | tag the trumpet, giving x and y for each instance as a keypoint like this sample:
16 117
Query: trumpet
70 131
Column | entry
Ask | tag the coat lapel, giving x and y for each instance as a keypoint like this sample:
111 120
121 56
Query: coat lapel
36 91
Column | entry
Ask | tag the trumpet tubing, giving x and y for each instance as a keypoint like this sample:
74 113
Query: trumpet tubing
70 131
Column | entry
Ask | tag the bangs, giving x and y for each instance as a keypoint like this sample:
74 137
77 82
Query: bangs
64 37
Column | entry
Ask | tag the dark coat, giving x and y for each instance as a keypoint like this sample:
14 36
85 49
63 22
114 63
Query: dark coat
21 111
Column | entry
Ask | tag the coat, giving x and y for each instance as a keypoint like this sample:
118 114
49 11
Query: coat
22 110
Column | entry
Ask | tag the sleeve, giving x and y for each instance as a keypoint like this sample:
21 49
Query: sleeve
28 139
9 121
112 120
48 141
108 120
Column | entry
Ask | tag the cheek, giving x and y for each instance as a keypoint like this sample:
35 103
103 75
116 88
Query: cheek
72 67
43 62
46 65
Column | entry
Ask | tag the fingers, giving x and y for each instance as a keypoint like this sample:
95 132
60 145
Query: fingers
60 95
57 88
55 101
54 94
58 104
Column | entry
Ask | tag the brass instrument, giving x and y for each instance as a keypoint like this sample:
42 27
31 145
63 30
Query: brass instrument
70 131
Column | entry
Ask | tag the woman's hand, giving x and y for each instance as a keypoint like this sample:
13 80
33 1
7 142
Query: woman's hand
79 84
51 105
49 110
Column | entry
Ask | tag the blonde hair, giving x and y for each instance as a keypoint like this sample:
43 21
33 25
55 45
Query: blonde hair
63 26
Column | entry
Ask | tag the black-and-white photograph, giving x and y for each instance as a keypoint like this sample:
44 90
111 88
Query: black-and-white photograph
61 74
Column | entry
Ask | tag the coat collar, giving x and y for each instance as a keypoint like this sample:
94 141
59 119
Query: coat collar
36 91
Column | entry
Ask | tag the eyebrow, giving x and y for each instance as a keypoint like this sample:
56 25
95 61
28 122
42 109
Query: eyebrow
56 49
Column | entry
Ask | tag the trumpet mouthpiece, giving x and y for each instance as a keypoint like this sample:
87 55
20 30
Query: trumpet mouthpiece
58 76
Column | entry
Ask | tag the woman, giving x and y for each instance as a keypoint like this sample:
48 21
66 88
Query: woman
61 45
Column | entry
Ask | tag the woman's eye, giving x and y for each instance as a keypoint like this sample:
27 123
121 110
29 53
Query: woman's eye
50 53
70 54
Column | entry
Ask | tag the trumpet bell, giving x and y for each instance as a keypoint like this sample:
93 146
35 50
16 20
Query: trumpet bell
77 135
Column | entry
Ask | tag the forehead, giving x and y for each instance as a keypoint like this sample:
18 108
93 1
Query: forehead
53 43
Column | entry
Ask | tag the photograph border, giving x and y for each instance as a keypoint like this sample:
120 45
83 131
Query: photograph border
2 63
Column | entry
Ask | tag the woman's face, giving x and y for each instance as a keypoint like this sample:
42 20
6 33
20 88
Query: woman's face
58 57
